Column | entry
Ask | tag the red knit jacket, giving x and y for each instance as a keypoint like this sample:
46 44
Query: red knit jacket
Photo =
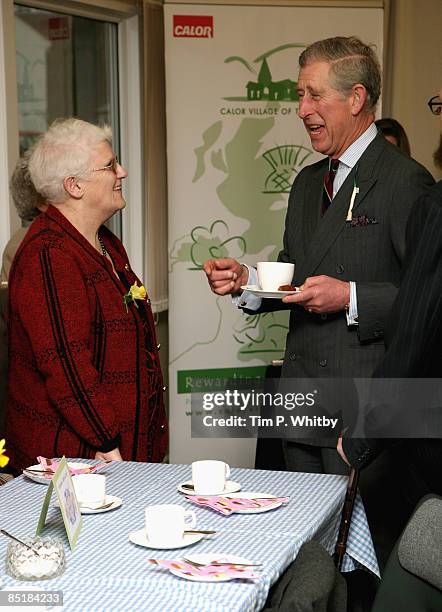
84 373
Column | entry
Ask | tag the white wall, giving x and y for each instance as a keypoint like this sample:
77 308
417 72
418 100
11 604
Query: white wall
415 73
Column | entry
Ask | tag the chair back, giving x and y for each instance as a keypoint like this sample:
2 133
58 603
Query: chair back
412 578
420 546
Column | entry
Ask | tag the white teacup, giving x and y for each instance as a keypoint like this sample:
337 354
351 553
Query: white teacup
273 274
209 476
166 523
90 488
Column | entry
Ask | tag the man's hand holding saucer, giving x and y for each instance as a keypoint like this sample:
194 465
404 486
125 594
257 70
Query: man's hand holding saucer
321 294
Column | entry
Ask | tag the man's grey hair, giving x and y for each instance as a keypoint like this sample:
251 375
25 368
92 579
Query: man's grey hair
65 149
23 192
352 62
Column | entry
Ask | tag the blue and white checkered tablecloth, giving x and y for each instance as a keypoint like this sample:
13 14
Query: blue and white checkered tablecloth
106 572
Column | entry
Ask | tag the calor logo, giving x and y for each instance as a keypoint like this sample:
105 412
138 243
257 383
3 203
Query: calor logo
193 26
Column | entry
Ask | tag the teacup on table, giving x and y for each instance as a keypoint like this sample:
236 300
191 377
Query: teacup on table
166 523
274 274
90 488
209 476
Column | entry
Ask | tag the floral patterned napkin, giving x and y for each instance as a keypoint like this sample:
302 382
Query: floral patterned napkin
215 571
228 505
51 466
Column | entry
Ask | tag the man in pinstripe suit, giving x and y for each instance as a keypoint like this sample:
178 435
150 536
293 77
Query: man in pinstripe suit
347 245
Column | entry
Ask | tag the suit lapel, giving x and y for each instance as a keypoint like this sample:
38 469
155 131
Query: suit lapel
320 238
312 206
327 230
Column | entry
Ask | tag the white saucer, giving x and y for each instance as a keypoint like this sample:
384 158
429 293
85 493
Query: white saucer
254 495
41 479
116 503
139 537
275 295
230 487
209 558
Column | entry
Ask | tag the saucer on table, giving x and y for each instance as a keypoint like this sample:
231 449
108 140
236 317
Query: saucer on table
229 487
140 537
116 503
45 478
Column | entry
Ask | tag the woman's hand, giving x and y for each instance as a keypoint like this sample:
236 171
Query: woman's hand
113 455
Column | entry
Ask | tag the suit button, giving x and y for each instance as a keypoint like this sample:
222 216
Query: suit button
340 269
323 363
293 357
126 266
158 346
164 388
324 316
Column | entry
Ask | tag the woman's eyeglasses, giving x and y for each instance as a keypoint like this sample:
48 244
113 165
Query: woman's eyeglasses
112 165
435 105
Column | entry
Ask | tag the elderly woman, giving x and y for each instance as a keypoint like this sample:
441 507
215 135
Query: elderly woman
84 370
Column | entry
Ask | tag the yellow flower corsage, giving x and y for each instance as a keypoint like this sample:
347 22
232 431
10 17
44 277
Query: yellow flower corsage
134 293
3 458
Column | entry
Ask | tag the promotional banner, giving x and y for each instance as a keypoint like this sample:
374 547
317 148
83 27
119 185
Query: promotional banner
235 145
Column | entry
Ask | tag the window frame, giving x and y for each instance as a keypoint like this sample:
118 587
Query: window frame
125 14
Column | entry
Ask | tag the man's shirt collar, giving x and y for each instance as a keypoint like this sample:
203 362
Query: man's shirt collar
351 156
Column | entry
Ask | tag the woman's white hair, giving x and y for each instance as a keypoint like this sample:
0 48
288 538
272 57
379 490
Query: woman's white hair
64 150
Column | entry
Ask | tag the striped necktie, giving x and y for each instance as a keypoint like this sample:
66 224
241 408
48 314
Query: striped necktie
328 184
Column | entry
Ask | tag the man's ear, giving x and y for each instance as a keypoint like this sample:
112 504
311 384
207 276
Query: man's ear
73 187
358 98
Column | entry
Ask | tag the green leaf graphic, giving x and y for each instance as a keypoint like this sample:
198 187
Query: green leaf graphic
214 242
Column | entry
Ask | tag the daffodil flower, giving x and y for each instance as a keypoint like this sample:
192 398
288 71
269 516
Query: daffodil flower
3 458
134 293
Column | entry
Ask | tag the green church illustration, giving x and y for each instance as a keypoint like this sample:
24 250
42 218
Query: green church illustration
266 89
